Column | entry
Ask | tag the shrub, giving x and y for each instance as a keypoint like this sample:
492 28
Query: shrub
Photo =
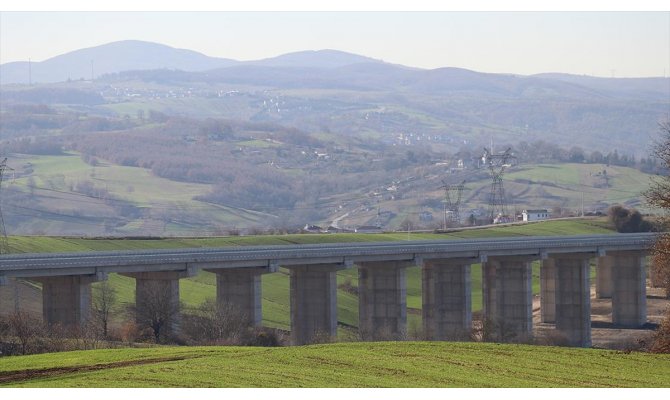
661 340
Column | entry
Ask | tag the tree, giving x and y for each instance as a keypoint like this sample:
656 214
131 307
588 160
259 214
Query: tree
25 328
212 323
627 220
104 299
158 309
658 195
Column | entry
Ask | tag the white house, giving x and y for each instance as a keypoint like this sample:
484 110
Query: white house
535 215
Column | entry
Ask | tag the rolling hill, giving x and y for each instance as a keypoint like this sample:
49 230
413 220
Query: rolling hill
389 364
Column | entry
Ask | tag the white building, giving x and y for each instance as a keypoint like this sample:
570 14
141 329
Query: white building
535 215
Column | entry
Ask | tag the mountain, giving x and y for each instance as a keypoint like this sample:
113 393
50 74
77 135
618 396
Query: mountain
653 88
315 59
389 77
109 58
355 94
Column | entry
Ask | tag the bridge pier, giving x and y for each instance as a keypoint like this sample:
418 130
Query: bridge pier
382 300
314 302
573 298
548 291
604 277
238 290
629 301
66 300
157 299
446 299
508 296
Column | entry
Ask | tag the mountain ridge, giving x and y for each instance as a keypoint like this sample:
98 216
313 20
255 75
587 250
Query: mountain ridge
129 55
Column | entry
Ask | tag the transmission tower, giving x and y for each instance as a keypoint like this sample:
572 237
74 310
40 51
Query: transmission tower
497 164
4 247
452 194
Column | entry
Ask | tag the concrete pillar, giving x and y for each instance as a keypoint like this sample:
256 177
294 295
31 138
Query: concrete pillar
313 303
239 290
548 291
382 300
629 292
66 300
508 297
447 300
604 277
157 300
488 290
573 299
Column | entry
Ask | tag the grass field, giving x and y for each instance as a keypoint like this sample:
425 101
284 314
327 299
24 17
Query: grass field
275 287
565 186
55 176
386 364
168 207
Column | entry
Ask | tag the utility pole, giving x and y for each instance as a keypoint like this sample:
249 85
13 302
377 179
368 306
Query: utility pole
497 164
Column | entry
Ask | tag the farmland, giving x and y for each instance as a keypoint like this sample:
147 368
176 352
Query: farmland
383 364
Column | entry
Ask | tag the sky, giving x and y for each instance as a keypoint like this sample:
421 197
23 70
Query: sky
613 43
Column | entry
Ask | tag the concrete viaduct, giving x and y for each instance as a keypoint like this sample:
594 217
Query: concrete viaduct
506 282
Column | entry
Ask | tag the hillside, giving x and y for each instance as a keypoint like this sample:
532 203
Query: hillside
63 195
311 138
353 95
389 364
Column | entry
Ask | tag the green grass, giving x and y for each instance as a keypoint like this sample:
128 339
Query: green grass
387 364
138 186
275 287
43 244
571 181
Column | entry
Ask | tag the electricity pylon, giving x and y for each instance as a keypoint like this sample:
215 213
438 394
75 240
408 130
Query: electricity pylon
452 194
497 164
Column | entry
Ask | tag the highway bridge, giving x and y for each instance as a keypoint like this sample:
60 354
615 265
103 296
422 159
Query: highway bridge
446 288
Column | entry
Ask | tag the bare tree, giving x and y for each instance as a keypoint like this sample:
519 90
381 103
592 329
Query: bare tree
658 195
104 299
25 328
211 323
157 309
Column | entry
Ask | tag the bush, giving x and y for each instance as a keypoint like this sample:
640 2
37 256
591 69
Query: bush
661 340
628 220
266 337
211 324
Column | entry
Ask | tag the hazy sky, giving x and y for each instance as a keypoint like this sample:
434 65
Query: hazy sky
623 44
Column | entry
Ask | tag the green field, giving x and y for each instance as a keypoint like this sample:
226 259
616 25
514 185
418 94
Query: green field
275 287
572 181
386 364
565 187
168 207
55 176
